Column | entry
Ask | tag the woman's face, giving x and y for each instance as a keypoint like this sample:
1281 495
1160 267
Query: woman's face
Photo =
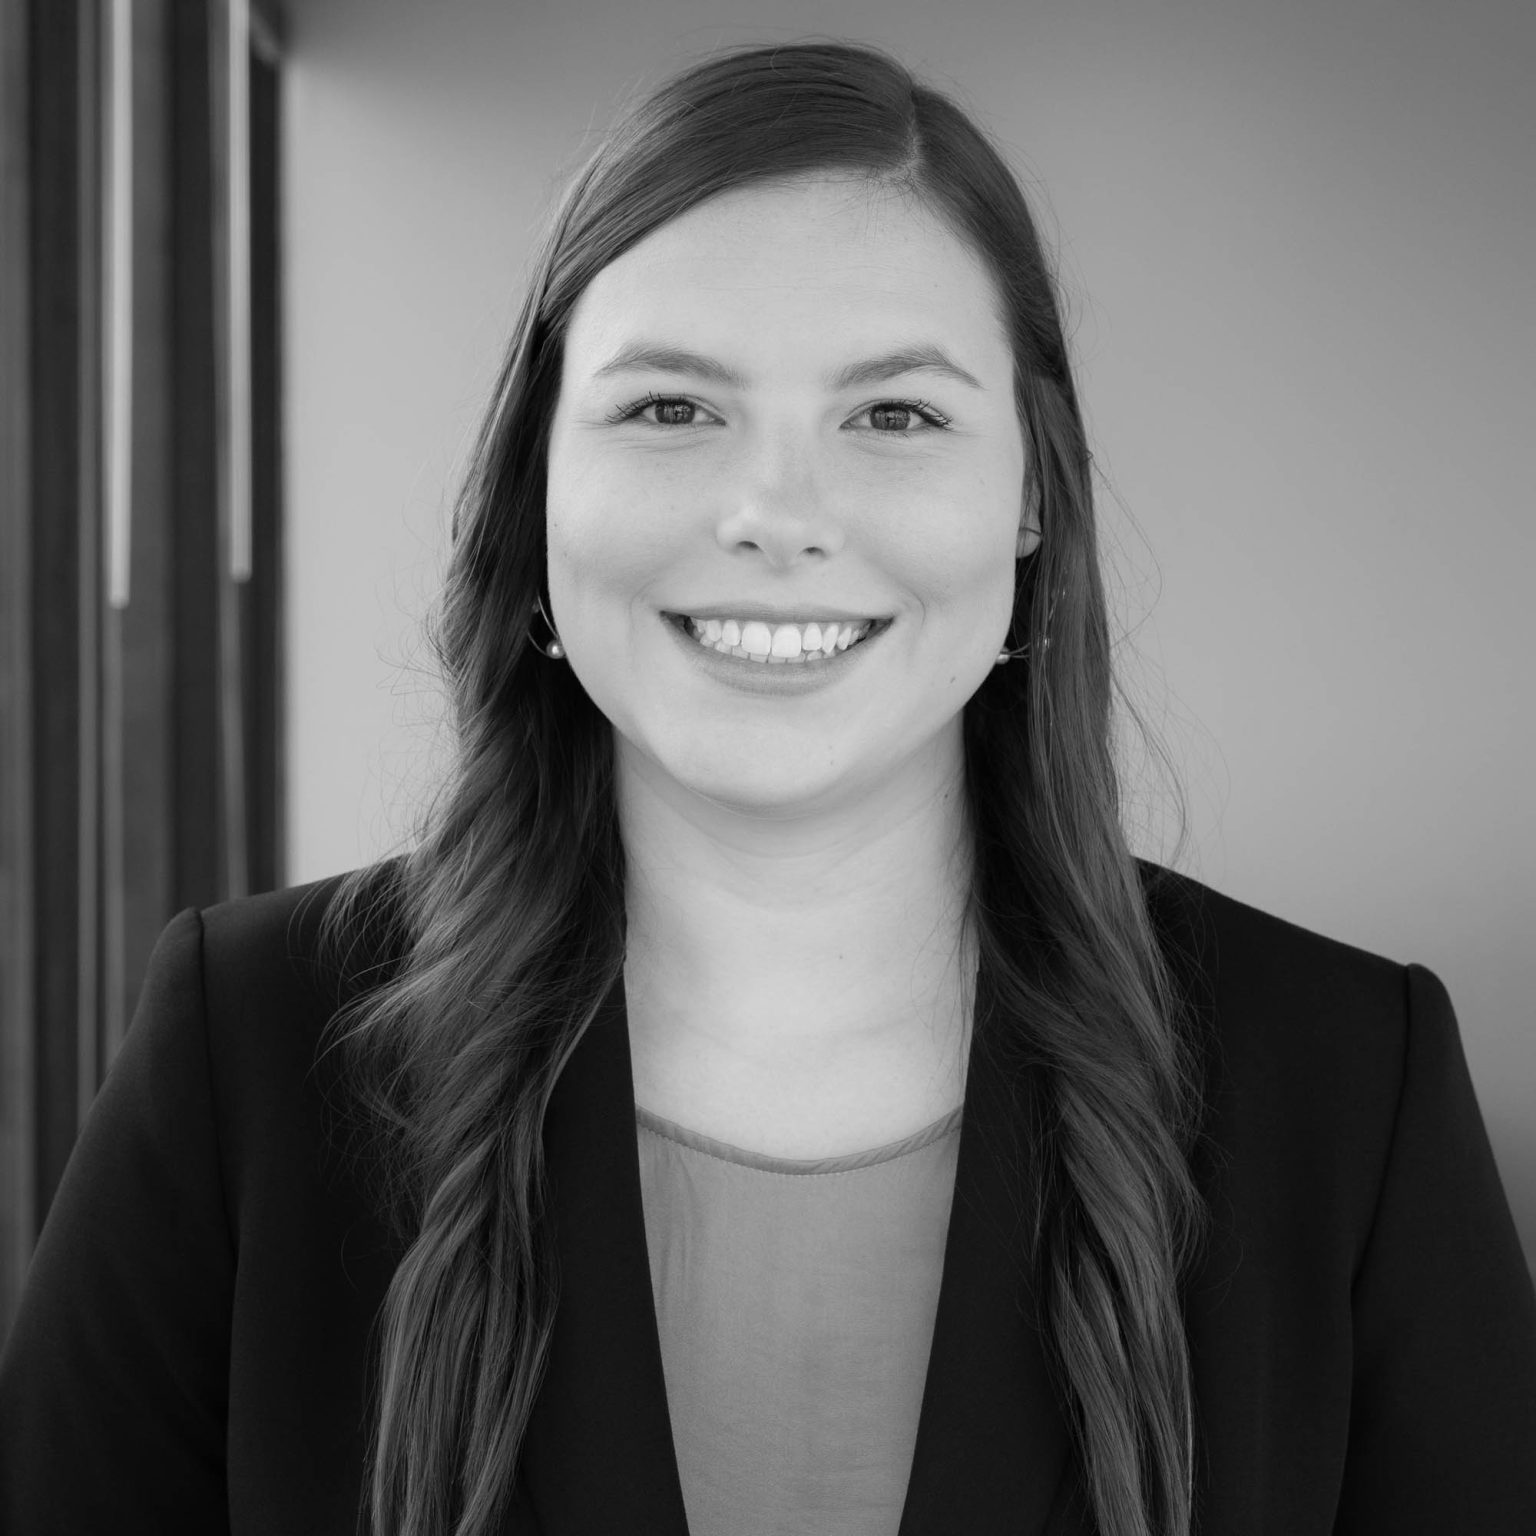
785 416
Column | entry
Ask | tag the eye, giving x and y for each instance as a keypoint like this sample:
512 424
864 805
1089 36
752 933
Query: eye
903 418
670 411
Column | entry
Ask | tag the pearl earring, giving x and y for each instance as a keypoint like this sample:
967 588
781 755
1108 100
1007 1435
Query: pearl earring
1019 652
551 648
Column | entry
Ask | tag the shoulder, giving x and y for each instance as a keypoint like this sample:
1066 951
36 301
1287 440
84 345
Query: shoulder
1308 1047
1240 944
273 943
279 963
266 985
1261 979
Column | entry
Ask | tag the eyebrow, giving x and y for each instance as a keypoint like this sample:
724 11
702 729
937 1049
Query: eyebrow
923 357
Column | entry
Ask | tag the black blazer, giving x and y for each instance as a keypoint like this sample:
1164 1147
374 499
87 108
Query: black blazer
191 1352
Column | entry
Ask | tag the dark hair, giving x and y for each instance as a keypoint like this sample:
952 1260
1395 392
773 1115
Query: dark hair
511 904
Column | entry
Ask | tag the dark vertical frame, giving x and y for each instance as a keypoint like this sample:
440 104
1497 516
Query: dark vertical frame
64 289
266 737
18 1192
197 852
143 628
118 730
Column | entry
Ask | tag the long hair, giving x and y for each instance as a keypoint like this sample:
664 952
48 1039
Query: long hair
509 909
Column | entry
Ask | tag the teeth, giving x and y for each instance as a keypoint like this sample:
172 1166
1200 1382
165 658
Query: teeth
777 644
757 639
786 643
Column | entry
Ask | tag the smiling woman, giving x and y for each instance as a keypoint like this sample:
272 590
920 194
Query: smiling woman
771 1098
779 473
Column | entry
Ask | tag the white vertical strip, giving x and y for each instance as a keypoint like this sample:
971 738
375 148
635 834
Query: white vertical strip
117 404
239 290
93 67
117 496
235 433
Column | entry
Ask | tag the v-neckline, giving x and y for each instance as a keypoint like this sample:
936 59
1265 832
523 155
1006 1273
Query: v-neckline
991 1453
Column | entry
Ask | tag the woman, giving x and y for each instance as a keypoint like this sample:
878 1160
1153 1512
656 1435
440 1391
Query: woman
771 1097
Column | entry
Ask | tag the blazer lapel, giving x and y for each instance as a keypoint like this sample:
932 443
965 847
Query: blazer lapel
992 1449
992 1446
599 1454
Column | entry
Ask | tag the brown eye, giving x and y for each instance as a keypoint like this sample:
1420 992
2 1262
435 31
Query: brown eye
674 413
670 411
903 418
890 418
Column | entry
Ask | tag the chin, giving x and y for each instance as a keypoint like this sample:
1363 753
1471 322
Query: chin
762 788
750 776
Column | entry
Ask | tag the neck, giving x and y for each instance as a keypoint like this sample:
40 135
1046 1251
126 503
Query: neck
789 940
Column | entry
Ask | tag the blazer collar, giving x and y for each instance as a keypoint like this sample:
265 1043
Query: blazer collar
992 1447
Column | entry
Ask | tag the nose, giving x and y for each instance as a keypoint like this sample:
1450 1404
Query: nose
778 508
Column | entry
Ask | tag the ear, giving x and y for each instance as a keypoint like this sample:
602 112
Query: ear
1029 531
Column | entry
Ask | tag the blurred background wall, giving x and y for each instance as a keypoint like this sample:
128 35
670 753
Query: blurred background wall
1296 244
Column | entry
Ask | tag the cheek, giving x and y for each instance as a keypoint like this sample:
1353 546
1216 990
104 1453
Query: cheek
959 546
597 532
577 505
598 503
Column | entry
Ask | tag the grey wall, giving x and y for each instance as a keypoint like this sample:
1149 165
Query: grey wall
1296 241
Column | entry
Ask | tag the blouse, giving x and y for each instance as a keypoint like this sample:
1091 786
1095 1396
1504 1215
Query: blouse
795 1302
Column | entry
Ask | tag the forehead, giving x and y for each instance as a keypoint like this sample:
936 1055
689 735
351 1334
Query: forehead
786 273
